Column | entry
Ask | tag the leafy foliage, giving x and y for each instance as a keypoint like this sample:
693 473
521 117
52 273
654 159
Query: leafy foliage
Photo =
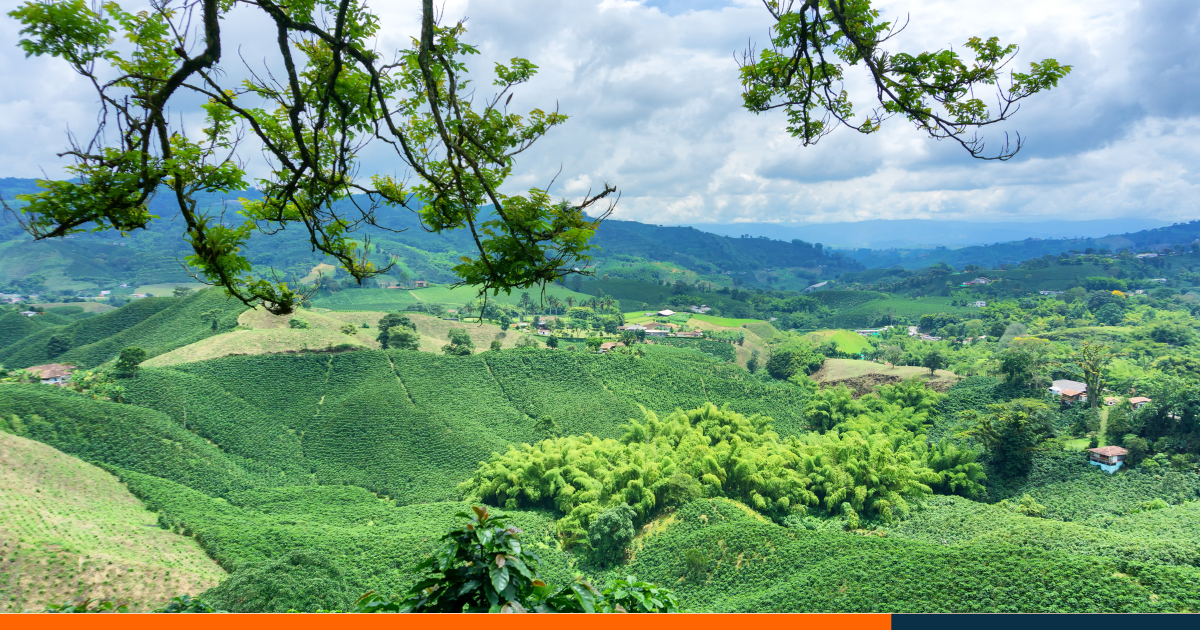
729 454
342 96
802 73
610 533
483 566
299 580
460 343
398 332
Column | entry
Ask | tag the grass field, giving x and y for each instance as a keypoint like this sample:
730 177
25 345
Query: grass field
1079 444
167 289
397 299
902 309
847 341
260 332
762 329
322 270
88 307
72 530
842 369
725 321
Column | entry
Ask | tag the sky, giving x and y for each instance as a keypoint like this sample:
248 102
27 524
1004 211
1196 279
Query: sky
654 102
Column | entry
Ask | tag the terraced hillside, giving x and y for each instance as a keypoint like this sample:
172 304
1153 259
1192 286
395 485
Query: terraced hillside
69 529
409 425
157 325
720 556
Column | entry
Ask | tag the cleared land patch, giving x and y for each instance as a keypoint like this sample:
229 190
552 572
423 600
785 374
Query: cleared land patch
263 333
725 321
167 289
847 341
322 270
865 376
88 307
69 529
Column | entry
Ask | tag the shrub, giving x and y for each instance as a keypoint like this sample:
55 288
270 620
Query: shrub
297 323
398 332
460 343
729 454
300 580
1138 447
795 358
483 566
610 533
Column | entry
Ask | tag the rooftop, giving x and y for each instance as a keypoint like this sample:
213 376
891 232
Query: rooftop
52 370
1109 451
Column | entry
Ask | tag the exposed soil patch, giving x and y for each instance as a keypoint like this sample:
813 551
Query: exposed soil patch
863 385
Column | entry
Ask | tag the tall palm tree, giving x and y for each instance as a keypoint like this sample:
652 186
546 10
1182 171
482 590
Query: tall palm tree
570 301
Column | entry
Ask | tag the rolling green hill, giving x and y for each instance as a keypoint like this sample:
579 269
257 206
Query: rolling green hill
156 325
748 564
412 425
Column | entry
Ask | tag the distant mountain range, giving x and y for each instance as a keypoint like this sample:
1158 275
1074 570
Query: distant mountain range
928 233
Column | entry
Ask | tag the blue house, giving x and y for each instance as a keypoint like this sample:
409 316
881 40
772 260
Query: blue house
1108 458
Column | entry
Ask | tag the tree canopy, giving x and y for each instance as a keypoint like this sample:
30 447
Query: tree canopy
802 73
312 110
328 92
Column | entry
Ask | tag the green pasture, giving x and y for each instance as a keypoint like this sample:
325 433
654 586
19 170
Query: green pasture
725 321
847 341
876 311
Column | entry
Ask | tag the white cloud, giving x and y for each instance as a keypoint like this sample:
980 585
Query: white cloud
654 104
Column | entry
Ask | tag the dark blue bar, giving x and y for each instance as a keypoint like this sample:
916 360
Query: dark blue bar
1045 621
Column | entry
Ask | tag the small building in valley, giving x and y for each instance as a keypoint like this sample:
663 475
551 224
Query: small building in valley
1137 402
1058 386
1108 458
421 284
53 373
609 345
1073 395
978 304
666 312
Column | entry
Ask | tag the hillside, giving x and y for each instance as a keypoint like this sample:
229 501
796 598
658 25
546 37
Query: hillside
354 299
71 530
259 332
87 262
412 425
157 325
1014 252
883 234
752 565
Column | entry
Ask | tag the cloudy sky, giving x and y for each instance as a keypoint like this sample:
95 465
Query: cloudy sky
651 88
